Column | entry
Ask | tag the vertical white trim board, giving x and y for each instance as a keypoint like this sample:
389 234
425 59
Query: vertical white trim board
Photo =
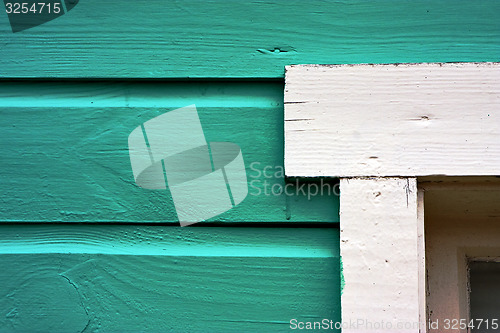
378 127
379 250
392 120
422 273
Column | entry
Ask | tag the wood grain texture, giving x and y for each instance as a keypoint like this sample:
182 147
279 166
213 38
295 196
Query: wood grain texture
380 257
246 39
393 120
77 278
65 153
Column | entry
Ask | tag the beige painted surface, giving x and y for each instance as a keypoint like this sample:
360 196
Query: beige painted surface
379 249
392 120
462 221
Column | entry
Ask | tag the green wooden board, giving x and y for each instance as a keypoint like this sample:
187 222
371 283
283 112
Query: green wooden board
80 278
64 148
246 39
64 156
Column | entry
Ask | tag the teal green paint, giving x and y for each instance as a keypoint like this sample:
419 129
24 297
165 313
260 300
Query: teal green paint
170 241
342 281
164 173
65 156
211 158
249 39
149 148
65 278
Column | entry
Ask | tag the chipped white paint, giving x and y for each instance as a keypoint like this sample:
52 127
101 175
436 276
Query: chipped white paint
379 249
392 120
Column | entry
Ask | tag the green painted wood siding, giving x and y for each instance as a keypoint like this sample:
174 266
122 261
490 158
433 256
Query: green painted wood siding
246 39
65 153
64 157
80 278
66 160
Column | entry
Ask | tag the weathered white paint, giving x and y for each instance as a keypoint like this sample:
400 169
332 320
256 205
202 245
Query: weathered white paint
379 249
392 120
378 127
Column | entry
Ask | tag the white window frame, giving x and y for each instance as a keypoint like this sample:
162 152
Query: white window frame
378 128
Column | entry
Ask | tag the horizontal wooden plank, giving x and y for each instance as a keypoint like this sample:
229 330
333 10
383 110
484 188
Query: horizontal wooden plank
65 153
75 278
199 241
199 38
393 120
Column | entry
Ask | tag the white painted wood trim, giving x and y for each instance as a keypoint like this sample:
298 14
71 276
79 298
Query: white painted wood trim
380 254
392 120
378 127
422 272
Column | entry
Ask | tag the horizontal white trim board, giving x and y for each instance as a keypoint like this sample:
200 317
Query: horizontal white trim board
392 120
